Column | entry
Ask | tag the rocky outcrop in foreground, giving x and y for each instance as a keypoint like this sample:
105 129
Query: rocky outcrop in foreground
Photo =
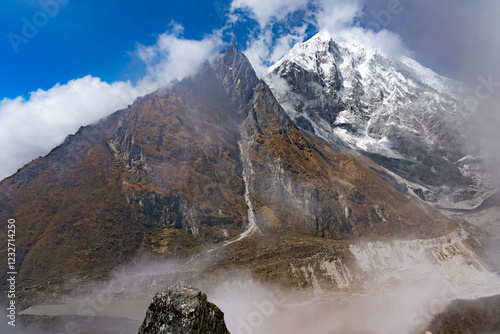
183 310
469 317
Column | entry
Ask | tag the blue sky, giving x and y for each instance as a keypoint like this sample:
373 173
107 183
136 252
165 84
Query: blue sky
91 37
68 63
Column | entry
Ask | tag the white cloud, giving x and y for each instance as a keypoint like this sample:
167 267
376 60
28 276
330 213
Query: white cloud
338 14
285 42
30 128
173 57
33 127
257 51
387 42
266 48
338 17
264 11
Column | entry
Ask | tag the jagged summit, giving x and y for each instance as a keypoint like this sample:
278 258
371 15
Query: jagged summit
237 75
339 46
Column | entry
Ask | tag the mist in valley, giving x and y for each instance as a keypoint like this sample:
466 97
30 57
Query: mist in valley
119 304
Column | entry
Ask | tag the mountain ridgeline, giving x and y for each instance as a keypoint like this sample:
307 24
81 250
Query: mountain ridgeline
204 161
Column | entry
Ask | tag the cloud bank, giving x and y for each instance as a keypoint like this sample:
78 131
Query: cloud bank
31 128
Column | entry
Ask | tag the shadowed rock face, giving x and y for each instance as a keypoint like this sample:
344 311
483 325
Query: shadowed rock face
183 310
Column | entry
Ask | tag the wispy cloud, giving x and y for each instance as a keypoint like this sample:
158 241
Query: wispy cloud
279 29
174 57
337 15
265 11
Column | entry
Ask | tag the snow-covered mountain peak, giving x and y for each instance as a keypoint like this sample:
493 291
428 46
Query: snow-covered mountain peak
391 107
346 41
311 55
323 51
357 61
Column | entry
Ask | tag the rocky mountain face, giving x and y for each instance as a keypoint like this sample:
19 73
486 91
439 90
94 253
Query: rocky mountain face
400 114
303 184
200 162
183 309
214 169
161 176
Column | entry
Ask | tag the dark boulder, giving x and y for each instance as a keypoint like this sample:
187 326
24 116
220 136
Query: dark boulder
183 310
